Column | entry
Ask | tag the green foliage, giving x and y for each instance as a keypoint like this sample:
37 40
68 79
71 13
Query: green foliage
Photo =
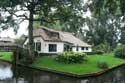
102 65
105 22
99 52
71 57
23 55
122 36
20 40
120 51
104 47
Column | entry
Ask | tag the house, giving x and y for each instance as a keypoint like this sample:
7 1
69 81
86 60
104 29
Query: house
52 41
5 43
6 40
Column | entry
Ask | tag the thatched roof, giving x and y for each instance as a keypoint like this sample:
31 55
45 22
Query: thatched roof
58 36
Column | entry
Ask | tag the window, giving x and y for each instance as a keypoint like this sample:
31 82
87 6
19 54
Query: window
83 48
77 48
67 48
52 47
38 46
86 48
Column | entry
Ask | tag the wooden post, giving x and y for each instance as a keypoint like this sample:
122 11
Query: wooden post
15 61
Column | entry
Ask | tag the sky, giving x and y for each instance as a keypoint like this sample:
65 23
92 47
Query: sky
23 28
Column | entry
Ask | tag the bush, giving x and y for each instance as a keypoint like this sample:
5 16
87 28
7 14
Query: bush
120 51
23 55
102 65
99 52
104 47
70 57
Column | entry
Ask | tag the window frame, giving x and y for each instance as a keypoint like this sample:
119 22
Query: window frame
87 48
52 47
38 46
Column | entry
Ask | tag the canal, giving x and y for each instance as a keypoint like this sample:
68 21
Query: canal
8 74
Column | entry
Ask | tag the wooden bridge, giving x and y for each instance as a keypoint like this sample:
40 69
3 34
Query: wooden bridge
11 47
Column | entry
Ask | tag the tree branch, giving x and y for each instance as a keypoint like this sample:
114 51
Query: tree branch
13 13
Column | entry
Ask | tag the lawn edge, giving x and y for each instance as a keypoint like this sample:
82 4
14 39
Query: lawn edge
93 74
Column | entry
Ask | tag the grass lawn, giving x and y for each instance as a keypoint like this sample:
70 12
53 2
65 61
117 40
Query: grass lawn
6 55
88 66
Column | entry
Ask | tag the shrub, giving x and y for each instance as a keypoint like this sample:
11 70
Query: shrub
102 65
23 55
120 51
99 52
70 57
104 47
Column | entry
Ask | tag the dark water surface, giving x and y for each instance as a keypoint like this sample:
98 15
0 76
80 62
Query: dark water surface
25 75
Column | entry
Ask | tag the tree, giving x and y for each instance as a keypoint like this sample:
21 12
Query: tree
20 40
48 11
122 36
116 10
69 20
105 22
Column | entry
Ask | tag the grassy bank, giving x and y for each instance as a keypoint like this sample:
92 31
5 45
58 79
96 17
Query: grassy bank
89 66
86 67
6 55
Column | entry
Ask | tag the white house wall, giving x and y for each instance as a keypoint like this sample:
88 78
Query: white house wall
39 39
89 49
74 49
60 47
45 45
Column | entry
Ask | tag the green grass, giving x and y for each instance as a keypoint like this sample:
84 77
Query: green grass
6 55
86 67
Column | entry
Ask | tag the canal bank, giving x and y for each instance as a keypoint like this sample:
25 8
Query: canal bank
69 74
29 75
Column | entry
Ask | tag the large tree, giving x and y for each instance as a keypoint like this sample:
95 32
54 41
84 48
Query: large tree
116 10
105 22
48 11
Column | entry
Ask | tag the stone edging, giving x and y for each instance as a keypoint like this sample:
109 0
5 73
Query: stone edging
69 73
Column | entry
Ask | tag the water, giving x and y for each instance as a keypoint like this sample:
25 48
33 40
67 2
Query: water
26 75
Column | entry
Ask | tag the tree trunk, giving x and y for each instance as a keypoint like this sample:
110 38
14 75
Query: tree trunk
30 34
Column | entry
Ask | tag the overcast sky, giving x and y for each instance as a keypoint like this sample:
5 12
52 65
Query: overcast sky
23 28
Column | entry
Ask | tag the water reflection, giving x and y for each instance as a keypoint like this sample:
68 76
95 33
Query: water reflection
5 71
25 75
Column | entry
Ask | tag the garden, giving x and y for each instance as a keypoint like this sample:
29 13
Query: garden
88 66
77 63
81 63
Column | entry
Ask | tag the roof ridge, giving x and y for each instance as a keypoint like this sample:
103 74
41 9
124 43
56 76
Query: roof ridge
50 29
